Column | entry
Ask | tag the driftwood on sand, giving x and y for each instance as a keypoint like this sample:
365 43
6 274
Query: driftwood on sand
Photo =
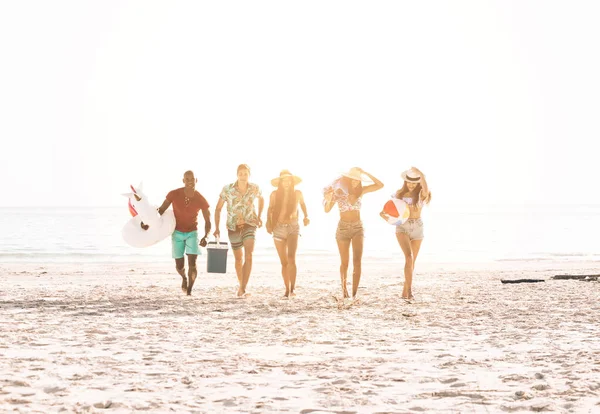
576 277
521 280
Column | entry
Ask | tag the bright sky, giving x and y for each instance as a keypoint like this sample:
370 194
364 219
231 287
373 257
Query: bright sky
494 101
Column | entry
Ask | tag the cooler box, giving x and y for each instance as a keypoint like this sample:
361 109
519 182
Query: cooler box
217 257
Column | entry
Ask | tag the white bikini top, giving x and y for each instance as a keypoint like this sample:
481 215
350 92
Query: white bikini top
410 202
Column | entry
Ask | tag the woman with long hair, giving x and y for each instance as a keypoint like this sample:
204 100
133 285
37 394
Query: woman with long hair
282 222
415 193
347 192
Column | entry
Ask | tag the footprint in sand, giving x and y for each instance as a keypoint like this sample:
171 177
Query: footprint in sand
18 383
448 380
17 401
53 390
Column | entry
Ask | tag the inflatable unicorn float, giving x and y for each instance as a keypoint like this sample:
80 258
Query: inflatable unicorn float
146 227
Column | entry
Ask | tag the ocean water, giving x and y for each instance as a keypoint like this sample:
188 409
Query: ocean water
459 234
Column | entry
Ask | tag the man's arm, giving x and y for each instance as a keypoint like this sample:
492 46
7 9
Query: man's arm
161 210
261 206
300 197
218 208
207 225
164 207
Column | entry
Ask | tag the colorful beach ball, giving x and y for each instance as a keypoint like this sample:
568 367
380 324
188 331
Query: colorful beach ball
397 211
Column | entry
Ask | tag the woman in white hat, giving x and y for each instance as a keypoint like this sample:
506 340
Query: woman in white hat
282 222
347 192
415 193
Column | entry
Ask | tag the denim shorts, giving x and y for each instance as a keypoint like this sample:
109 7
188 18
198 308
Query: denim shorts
282 231
183 243
413 228
347 230
240 235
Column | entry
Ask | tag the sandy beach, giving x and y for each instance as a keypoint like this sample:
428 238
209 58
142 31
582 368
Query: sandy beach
122 337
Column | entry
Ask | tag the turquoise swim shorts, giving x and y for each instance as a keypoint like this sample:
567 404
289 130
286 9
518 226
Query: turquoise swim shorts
184 243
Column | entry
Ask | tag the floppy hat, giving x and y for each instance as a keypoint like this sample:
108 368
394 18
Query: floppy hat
411 176
284 174
355 174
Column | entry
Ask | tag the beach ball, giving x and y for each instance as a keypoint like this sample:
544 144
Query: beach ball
397 210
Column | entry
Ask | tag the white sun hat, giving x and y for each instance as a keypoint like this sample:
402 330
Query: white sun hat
355 173
411 176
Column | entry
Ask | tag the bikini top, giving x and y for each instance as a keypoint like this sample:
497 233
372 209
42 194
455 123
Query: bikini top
409 201
344 203
340 196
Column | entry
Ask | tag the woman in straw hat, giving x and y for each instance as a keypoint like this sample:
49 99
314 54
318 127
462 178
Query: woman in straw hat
415 193
347 192
282 222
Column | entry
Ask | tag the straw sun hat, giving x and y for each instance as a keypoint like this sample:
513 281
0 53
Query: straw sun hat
284 174
355 173
411 176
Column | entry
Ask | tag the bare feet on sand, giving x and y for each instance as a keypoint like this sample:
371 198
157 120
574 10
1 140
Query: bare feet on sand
192 277
184 285
344 289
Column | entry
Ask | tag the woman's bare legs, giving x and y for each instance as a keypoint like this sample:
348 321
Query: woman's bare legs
415 245
357 251
344 248
281 246
409 263
292 246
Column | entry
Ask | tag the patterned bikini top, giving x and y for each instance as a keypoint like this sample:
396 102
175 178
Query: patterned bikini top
344 203
340 196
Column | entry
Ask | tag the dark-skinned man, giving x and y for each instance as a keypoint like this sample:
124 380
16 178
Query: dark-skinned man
187 203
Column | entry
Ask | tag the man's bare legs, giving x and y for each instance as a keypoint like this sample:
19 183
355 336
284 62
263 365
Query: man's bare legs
239 268
187 282
357 251
192 273
243 264
180 267
344 248
247 268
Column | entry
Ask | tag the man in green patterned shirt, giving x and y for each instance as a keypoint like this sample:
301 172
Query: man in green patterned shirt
242 221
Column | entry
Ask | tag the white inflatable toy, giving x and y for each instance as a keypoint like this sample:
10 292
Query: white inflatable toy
397 211
159 227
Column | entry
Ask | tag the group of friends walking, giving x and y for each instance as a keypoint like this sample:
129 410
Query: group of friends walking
282 222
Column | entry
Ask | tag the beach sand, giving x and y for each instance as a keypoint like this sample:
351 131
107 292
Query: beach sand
123 337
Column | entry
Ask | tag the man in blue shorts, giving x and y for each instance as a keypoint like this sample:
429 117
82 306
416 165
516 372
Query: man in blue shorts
187 203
